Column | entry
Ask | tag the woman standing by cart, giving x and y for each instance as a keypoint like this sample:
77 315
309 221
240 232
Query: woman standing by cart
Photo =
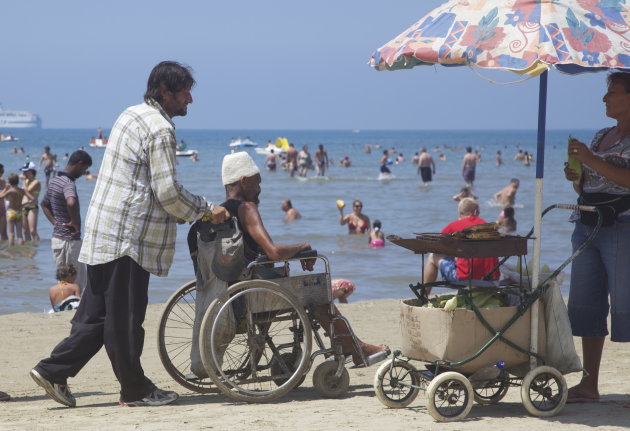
601 270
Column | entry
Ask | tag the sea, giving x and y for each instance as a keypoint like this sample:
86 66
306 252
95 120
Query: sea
402 203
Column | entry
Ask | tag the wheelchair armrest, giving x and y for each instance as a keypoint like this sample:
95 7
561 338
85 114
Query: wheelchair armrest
306 254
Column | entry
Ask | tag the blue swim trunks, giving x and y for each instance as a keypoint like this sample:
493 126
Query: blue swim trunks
448 269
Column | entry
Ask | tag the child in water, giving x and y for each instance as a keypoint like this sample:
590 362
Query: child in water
377 237
506 220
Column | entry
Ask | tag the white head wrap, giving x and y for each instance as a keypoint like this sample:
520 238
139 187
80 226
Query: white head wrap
237 165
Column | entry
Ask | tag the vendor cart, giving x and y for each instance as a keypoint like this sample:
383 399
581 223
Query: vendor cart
455 344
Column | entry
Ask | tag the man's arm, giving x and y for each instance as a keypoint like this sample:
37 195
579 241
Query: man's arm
73 211
174 198
48 211
250 219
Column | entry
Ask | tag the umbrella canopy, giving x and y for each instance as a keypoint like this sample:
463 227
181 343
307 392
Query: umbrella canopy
524 36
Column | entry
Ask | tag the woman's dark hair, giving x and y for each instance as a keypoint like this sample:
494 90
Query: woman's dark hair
173 75
377 223
508 212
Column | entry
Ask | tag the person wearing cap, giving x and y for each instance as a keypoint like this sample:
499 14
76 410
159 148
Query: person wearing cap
30 208
241 178
130 232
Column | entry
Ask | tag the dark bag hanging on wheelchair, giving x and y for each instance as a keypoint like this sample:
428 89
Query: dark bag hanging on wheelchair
608 204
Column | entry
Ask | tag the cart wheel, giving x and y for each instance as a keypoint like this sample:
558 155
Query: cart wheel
244 332
544 391
325 382
449 397
280 373
174 338
388 387
491 392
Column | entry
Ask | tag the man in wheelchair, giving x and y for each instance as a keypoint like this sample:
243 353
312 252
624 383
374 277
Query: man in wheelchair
241 178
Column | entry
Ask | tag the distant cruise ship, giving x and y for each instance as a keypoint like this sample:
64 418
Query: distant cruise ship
18 119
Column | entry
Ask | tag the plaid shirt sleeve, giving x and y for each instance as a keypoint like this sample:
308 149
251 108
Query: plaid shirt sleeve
174 198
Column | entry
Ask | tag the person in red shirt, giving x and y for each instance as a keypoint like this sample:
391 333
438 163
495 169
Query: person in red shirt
454 269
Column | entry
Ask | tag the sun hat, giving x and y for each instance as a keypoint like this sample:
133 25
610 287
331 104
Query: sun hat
237 165
28 166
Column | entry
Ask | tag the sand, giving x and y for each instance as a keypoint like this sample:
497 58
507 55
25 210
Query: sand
28 337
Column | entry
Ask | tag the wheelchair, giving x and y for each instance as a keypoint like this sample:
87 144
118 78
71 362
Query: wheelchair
256 339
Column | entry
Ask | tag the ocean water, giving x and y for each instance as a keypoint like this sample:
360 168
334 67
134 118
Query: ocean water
402 204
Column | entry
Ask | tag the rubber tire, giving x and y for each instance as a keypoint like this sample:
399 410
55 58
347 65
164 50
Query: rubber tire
325 383
220 304
530 383
385 381
497 395
436 389
288 358
182 302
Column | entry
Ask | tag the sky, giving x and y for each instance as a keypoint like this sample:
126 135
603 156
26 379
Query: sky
277 64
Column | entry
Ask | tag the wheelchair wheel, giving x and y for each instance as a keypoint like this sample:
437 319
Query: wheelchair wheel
325 382
387 385
246 337
544 391
175 339
449 397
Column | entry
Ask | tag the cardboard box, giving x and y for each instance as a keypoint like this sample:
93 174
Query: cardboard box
429 334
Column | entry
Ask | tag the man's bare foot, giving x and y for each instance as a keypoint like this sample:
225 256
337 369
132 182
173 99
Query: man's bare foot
368 350
581 394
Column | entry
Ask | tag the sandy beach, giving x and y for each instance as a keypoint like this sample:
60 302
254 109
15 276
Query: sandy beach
27 337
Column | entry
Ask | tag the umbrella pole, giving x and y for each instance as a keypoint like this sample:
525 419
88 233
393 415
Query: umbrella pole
540 164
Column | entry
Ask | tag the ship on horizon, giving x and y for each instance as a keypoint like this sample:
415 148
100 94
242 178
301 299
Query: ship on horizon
10 119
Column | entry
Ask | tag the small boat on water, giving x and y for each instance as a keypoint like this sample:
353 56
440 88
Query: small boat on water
247 142
8 138
185 153
99 143
281 146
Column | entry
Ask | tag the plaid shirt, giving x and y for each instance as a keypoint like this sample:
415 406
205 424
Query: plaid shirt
137 198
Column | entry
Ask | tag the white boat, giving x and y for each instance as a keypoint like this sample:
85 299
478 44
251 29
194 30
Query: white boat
8 138
185 153
18 119
243 143
99 143
281 146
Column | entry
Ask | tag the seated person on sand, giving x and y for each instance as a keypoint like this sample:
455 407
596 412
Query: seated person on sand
455 269
242 179
66 294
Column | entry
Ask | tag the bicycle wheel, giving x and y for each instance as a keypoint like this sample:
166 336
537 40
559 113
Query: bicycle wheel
245 338
175 339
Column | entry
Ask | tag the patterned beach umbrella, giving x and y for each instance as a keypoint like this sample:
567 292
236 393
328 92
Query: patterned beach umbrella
522 36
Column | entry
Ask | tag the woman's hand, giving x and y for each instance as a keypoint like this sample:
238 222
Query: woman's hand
570 174
579 150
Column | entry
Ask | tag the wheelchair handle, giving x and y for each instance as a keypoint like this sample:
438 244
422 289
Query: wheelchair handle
305 254
588 208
